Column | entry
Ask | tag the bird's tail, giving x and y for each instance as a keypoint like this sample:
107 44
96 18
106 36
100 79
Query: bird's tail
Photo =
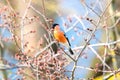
70 50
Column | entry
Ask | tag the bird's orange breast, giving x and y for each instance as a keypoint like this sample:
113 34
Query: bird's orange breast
59 35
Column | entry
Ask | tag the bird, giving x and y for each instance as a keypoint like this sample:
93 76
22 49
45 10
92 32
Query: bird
60 36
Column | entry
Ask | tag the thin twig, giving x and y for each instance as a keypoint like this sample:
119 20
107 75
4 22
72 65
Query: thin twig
97 45
49 45
7 67
67 54
99 57
92 10
22 25
92 34
112 74
94 69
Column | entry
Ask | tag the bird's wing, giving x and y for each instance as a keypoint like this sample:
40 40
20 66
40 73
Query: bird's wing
67 40
65 36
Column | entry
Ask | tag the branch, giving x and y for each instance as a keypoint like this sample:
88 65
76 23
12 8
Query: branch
94 69
99 57
92 34
49 45
112 74
7 67
96 45
22 25
68 55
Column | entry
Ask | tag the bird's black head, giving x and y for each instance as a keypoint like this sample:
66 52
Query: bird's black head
54 25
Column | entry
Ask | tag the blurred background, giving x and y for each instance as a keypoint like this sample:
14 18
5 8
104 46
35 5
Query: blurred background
28 50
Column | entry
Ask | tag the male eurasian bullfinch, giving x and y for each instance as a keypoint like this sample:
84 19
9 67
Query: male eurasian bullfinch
61 38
